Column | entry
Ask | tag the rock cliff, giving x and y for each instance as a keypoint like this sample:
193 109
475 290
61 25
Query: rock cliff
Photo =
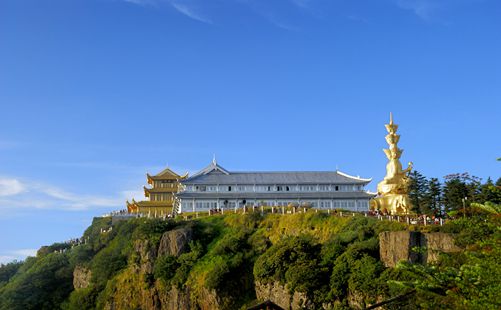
175 242
281 295
414 247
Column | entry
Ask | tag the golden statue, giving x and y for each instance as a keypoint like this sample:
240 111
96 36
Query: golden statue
392 191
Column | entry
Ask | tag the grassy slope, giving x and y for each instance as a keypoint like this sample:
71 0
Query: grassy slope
330 259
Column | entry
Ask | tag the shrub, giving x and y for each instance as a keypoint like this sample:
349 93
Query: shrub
166 267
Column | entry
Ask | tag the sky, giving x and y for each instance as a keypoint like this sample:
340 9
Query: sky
96 93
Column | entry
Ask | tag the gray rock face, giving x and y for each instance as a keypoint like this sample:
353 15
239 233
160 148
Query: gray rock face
175 242
281 296
81 277
176 299
414 247
147 254
437 243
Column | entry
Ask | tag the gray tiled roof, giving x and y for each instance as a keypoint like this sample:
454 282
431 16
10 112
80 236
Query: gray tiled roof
275 195
215 174
293 177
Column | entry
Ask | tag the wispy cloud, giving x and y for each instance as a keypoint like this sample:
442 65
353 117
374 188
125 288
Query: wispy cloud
190 12
10 187
18 255
187 9
425 9
268 13
140 2
21 195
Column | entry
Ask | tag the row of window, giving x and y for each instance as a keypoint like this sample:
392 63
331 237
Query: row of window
160 197
273 188
164 184
360 205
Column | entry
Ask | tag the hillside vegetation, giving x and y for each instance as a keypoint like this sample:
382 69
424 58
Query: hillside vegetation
315 261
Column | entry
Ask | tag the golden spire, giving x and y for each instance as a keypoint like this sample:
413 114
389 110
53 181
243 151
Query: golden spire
393 189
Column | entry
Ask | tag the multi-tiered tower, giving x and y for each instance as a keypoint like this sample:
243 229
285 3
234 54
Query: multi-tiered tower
161 196
392 191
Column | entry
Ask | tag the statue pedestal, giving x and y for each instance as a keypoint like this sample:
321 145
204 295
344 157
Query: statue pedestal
394 204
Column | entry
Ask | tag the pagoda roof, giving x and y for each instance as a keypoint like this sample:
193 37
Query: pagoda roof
166 174
160 190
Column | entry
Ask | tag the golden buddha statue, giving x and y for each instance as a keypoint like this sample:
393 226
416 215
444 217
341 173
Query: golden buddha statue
392 191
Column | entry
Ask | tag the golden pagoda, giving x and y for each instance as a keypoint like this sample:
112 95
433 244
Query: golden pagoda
392 191
161 197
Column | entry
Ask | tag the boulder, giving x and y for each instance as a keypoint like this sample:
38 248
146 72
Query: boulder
175 242
81 277
280 295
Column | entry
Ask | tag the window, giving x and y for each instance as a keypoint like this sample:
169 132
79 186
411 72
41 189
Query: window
187 205
261 188
244 188
229 188
307 188
325 204
363 205
323 188
336 188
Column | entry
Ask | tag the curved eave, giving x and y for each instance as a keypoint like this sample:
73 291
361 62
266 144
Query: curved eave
357 178
146 191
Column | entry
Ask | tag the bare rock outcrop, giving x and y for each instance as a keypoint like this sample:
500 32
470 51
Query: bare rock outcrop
175 242
175 299
280 295
437 243
81 277
147 254
414 247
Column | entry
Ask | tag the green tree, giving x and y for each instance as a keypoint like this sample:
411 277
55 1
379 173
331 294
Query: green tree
434 196
490 193
7 271
458 187
43 284
418 192
466 280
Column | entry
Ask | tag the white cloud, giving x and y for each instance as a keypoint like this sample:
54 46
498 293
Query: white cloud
141 2
25 252
18 255
183 8
10 187
422 8
190 12
17 195
4 259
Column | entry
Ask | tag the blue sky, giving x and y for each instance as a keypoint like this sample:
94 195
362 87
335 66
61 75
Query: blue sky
95 93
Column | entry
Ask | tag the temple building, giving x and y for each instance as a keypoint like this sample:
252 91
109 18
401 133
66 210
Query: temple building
161 199
217 188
